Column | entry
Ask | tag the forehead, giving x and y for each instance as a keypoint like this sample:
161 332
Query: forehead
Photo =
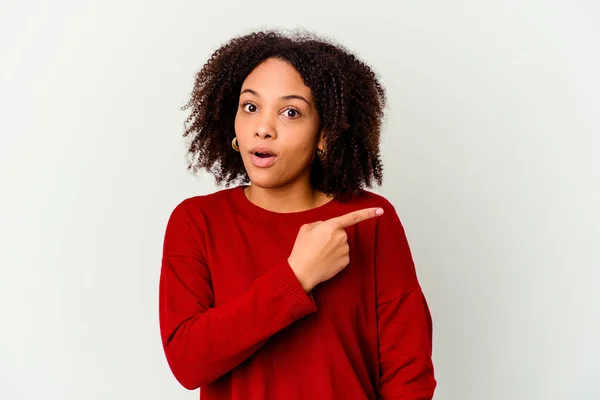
276 77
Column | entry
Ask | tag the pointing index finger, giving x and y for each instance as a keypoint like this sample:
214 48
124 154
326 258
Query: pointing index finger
355 217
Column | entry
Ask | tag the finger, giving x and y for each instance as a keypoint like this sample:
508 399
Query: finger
355 217
312 224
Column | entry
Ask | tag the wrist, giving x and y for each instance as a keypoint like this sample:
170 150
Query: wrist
305 282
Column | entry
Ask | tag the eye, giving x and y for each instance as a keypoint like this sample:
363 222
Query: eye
249 107
292 113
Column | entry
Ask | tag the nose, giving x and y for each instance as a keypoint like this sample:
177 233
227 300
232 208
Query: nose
266 126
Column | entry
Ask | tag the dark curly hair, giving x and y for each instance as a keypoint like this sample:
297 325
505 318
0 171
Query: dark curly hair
348 96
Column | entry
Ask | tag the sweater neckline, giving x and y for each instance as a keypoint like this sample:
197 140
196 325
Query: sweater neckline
321 212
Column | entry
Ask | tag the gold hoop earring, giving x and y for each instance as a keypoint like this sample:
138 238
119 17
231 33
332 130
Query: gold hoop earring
234 144
321 153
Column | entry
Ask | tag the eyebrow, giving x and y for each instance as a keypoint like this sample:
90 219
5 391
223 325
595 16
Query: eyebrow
288 97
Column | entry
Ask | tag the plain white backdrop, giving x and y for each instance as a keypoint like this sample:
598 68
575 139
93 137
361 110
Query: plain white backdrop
491 156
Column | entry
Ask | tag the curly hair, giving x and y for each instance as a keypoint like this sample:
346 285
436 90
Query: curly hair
348 96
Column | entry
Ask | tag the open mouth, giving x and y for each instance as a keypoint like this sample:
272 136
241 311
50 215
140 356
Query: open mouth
263 158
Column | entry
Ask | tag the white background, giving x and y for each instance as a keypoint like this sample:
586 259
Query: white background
491 158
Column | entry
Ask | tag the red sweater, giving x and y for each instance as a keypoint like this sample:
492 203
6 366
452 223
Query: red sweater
236 322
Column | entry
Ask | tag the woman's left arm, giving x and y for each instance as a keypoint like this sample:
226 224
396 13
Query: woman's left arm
403 318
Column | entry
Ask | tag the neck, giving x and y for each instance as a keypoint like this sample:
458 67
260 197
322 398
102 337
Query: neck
286 199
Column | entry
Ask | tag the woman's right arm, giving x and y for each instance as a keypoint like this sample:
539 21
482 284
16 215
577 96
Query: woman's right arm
203 342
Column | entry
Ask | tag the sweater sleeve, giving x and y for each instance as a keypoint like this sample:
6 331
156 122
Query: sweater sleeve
404 321
203 342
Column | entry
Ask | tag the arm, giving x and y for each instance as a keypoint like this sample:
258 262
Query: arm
203 342
404 322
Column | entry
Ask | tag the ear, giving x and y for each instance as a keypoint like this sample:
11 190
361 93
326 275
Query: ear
321 143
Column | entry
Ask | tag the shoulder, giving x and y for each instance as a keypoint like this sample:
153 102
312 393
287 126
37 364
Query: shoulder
200 206
190 218
366 199
389 221
206 201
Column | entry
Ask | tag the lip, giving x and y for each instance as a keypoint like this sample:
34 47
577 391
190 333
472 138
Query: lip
262 149
262 162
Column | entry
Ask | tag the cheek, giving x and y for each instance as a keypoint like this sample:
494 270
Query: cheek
300 149
237 123
242 123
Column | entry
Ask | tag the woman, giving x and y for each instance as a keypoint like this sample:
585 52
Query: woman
298 283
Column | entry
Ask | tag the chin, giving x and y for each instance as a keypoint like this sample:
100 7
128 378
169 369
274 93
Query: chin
274 177
264 181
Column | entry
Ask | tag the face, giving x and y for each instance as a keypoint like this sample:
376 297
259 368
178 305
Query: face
277 126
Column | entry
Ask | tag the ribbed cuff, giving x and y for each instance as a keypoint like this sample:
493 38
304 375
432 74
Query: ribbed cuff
288 286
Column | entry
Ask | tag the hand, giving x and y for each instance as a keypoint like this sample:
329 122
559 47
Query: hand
321 249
